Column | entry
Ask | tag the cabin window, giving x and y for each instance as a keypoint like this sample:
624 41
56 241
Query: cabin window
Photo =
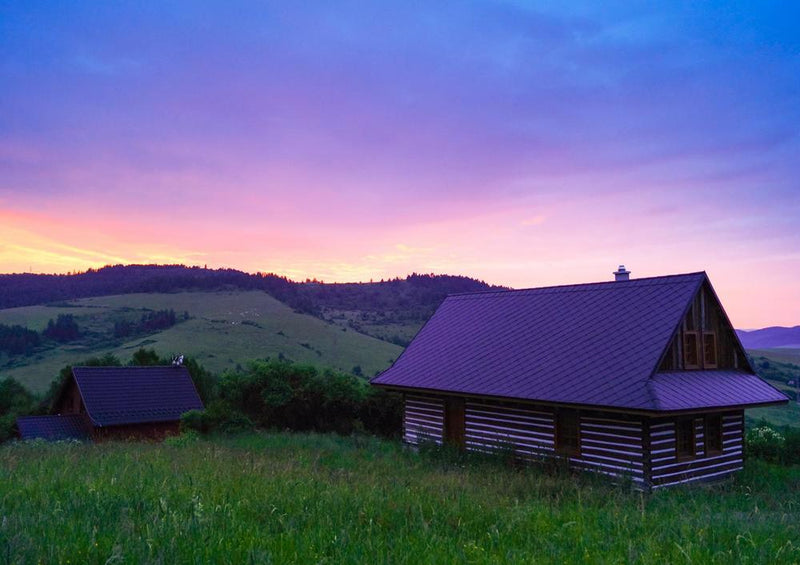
684 439
713 434
567 432
709 350
691 354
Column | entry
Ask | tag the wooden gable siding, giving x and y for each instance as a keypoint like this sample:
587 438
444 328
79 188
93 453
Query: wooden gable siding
705 315
667 469
69 401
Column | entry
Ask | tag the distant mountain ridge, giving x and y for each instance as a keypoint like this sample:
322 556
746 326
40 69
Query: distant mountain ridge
769 338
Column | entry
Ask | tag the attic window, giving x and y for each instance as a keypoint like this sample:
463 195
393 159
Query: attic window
567 433
684 439
709 350
691 353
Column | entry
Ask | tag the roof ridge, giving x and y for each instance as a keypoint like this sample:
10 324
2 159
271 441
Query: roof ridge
578 287
127 366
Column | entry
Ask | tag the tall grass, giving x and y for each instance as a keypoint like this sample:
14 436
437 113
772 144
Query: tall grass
283 498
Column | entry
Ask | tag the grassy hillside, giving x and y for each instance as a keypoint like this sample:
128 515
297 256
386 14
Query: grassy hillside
223 329
777 367
322 499
779 354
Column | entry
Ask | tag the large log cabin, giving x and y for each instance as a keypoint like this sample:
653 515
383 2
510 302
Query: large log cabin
103 403
643 378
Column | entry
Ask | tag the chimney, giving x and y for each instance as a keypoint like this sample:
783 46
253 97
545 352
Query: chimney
621 274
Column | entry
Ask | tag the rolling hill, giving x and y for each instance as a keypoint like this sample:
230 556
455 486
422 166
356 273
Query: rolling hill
770 338
222 329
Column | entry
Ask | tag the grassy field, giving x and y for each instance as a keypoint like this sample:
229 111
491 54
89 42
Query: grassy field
224 328
788 415
374 324
782 354
279 498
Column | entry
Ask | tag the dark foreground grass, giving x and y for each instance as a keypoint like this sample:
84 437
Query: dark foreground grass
280 498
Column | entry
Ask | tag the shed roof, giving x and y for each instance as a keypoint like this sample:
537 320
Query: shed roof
136 395
689 390
53 428
593 344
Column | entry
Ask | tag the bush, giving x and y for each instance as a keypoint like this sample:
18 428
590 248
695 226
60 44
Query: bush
15 400
64 329
285 395
769 444
218 416
16 340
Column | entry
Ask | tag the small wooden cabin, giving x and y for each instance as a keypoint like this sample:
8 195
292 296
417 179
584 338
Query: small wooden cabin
117 403
641 378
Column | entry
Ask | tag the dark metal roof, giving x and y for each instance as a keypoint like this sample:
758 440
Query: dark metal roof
136 395
591 344
54 428
687 390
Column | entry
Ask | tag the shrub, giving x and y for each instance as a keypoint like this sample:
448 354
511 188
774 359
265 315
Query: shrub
15 400
765 443
218 416
286 395
64 329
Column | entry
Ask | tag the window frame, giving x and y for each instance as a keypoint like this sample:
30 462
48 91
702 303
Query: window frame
706 363
570 417
680 454
686 335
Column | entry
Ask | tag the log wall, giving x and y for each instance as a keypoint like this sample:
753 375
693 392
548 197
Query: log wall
612 444
668 469
423 419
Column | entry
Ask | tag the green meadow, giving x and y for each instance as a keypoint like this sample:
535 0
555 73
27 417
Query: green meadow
282 498
223 329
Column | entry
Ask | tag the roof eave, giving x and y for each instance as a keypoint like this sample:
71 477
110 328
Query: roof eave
651 412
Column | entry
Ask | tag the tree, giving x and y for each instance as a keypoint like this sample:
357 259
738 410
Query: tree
64 329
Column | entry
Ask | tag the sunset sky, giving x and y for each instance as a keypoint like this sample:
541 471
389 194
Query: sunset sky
519 143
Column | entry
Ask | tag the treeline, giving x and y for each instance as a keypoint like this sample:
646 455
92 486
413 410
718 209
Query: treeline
63 329
27 289
149 322
414 297
17 340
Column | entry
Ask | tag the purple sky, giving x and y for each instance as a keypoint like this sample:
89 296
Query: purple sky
519 143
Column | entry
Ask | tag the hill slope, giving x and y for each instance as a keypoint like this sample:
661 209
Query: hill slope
391 310
222 329
769 338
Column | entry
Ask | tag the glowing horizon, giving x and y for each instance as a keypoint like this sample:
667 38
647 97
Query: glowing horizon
525 146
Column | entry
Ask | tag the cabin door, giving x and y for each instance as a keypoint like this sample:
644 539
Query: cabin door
454 422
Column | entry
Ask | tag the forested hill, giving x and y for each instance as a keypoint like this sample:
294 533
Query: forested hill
416 296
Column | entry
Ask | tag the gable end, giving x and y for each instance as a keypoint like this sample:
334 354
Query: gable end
704 338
